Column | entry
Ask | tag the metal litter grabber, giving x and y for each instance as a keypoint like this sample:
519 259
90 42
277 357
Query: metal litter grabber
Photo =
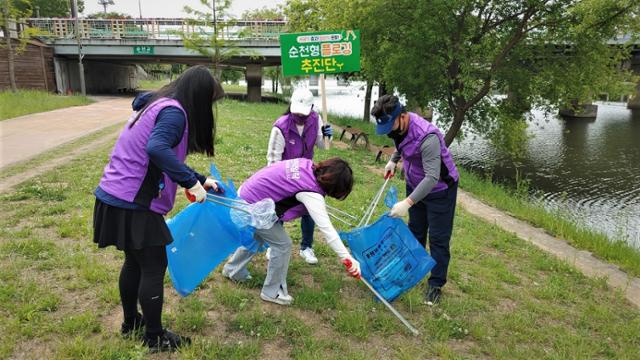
260 215
338 215
366 217
395 312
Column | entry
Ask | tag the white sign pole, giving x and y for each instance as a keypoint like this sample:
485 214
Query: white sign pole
325 121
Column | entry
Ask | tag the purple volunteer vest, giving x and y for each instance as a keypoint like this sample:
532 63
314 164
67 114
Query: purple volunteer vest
296 146
282 180
124 174
419 128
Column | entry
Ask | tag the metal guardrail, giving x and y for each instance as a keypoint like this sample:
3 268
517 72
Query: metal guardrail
154 29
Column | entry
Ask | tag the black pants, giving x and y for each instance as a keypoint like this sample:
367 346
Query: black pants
142 279
434 216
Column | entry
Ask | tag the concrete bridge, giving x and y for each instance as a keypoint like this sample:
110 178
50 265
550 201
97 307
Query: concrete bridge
115 46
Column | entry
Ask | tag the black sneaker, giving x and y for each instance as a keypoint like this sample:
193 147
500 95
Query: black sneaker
433 295
168 341
134 329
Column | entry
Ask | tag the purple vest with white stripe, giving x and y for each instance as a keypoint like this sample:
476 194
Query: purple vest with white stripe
281 182
124 174
419 128
296 146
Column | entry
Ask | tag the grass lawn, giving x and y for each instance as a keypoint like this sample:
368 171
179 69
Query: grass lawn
520 205
157 84
505 298
25 102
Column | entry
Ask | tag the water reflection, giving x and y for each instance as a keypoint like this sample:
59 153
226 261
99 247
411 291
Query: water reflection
587 169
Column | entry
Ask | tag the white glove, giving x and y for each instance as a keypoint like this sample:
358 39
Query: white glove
389 169
199 192
401 208
354 269
210 184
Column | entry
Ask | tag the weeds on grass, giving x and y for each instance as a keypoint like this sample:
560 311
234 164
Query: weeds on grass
504 298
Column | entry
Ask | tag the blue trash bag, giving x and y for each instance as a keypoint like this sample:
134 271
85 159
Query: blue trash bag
203 236
391 258
391 197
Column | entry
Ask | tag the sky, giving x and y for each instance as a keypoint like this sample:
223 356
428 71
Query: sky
172 8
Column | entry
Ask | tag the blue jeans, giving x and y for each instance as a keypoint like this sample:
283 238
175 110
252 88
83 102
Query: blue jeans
433 215
306 225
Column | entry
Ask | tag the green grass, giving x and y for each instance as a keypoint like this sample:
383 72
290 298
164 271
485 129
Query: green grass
617 252
504 299
152 84
157 84
24 102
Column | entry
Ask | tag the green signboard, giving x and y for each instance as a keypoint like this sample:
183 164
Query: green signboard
327 52
143 50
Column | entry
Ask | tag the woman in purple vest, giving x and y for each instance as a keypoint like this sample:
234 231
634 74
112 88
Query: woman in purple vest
138 188
432 182
294 135
298 187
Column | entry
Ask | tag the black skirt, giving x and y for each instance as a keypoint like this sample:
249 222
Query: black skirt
128 229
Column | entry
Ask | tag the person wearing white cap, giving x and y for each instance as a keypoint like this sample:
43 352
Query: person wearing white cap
294 135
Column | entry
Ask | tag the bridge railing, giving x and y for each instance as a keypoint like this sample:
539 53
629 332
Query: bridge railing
159 29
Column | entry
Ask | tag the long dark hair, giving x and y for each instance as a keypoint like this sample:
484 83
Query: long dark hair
335 177
196 90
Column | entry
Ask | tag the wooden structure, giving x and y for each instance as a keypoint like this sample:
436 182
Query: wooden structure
356 134
33 66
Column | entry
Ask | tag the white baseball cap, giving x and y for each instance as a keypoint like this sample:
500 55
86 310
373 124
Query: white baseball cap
301 101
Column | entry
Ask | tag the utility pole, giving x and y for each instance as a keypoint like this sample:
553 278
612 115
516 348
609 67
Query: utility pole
140 8
74 12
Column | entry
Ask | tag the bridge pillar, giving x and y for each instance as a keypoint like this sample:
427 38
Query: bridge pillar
634 101
253 76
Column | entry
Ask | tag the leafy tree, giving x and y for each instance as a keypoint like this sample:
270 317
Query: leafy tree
109 15
264 13
231 75
208 43
452 53
48 8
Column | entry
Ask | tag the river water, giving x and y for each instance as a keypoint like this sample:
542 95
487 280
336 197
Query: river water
587 170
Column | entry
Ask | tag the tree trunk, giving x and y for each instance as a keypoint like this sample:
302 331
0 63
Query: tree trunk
458 119
367 101
7 34
382 89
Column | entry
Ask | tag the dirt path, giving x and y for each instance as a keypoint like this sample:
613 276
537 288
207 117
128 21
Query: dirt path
25 137
9 182
581 259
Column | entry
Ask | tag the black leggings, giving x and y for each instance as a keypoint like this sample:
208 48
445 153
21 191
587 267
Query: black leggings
142 279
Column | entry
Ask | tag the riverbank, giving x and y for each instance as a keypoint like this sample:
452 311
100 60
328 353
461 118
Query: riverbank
520 205
24 102
505 298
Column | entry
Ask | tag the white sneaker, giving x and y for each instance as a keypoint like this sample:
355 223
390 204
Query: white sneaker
267 254
309 256
280 299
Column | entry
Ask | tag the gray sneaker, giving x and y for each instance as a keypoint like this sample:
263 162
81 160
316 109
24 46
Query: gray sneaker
280 299
226 274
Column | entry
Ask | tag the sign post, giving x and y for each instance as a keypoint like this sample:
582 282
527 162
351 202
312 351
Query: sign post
320 53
